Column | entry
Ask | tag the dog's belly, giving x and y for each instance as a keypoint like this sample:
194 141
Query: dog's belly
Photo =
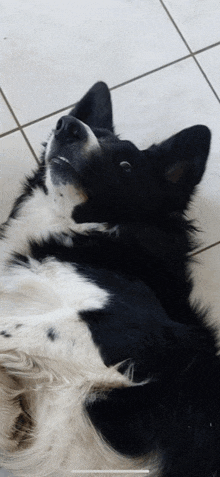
40 305
48 349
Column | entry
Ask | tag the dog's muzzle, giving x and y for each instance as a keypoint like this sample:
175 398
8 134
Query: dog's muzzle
69 149
71 139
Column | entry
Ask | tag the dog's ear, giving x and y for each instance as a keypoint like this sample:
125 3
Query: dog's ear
182 161
95 108
185 154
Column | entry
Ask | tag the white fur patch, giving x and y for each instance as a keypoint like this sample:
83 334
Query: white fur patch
49 295
92 143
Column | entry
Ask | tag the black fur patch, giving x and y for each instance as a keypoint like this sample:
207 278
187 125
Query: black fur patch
32 182
19 260
5 334
23 426
51 334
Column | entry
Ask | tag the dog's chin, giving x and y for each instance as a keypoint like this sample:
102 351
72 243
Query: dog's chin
61 171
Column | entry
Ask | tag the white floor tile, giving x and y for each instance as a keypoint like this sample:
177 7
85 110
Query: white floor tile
4 473
7 121
210 62
54 50
198 21
159 105
206 274
16 161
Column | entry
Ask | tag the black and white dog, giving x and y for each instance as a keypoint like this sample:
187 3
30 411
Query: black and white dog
104 365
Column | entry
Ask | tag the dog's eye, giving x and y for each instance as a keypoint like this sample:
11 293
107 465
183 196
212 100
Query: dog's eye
126 166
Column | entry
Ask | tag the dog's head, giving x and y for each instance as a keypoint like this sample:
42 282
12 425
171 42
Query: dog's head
115 181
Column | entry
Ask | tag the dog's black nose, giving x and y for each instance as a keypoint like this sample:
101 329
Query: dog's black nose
70 129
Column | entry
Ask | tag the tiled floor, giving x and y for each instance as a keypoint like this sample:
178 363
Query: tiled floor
162 60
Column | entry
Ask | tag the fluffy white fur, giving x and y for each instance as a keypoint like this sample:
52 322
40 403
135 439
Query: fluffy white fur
44 383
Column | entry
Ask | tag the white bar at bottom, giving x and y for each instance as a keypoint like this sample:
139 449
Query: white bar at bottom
110 471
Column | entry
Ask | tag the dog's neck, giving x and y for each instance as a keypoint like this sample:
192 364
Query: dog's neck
38 218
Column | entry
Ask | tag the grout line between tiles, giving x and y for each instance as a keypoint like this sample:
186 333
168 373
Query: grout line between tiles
136 78
155 70
190 51
204 249
19 128
30 146
206 48
10 131
176 27
206 78
190 55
